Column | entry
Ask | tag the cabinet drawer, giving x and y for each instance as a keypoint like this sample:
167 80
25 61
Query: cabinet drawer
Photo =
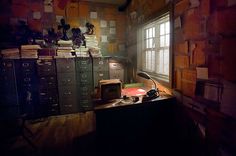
28 65
46 67
101 64
85 104
100 75
67 92
7 65
84 91
47 82
84 78
65 65
68 109
66 79
83 64
49 97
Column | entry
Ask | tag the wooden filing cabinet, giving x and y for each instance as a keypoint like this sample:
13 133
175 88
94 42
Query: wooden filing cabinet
100 70
67 85
48 93
84 79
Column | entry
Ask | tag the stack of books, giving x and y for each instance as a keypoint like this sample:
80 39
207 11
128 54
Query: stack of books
45 53
29 51
12 53
65 49
82 51
92 45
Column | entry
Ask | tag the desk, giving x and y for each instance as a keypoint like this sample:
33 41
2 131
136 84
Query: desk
135 126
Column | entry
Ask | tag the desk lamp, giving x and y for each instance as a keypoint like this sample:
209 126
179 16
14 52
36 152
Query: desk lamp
153 92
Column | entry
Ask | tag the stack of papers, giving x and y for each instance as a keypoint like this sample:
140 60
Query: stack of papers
29 51
65 49
12 53
92 45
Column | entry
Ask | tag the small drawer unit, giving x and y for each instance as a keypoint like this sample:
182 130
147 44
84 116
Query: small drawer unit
66 78
48 91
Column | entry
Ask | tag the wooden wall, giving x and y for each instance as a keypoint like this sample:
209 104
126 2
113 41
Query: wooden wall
41 15
204 36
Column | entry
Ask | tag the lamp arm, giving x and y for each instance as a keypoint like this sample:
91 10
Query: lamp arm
154 83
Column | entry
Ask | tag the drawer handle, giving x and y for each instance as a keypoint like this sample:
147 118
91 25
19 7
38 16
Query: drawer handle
25 64
54 105
68 105
50 83
67 93
42 93
67 67
48 69
27 79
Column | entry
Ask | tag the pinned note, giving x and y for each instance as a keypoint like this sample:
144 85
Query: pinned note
93 15
104 38
103 24
36 15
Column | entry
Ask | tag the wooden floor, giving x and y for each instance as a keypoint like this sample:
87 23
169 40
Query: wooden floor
55 134
75 135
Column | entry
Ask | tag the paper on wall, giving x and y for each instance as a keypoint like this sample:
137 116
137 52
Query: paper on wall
178 22
112 30
112 23
103 24
202 73
36 15
103 38
48 8
93 15
58 18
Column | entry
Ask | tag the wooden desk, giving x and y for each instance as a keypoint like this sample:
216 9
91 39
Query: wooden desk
135 126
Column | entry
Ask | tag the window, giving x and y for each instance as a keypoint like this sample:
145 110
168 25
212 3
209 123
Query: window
154 48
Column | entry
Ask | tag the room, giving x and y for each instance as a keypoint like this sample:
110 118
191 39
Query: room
97 77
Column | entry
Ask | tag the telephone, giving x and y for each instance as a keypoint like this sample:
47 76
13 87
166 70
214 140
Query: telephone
151 94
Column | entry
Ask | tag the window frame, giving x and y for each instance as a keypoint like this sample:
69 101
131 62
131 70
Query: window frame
140 41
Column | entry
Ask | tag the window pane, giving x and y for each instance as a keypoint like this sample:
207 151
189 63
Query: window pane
150 32
150 43
162 29
146 32
167 40
153 31
167 27
166 62
146 45
162 41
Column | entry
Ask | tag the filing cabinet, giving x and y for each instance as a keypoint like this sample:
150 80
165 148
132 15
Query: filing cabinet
84 77
101 70
67 85
29 88
48 93
9 88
